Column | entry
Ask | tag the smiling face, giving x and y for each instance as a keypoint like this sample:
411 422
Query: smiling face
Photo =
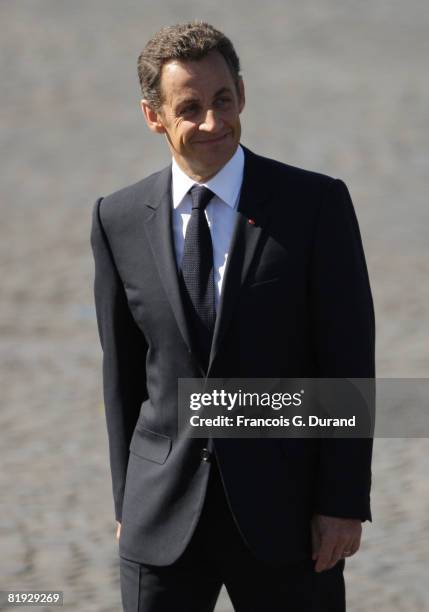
200 114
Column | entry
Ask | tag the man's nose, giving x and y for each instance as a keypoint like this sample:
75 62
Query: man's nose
211 122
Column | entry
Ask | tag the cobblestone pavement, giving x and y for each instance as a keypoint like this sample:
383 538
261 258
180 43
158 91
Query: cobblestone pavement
334 86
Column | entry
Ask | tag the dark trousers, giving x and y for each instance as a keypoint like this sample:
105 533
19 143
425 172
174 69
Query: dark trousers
216 555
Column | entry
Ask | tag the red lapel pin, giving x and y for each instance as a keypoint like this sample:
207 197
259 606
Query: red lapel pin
252 221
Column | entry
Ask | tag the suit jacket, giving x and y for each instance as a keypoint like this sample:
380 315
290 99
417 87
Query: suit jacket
296 302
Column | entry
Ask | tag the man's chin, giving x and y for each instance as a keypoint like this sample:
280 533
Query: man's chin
215 158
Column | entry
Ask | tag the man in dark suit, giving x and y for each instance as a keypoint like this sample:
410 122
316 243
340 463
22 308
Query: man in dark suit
226 264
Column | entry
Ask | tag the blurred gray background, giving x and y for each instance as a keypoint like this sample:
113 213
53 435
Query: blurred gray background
335 86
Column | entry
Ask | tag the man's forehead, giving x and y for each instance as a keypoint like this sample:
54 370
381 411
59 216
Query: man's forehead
213 61
188 78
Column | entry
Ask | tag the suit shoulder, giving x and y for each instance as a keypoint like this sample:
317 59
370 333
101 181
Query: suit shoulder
296 190
123 201
278 170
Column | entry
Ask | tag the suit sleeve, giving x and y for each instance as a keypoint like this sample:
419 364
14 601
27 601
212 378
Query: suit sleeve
344 331
124 354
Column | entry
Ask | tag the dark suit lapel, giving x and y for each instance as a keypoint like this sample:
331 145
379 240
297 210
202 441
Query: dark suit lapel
250 223
158 226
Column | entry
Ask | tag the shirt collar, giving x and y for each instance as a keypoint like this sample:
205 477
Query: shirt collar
225 184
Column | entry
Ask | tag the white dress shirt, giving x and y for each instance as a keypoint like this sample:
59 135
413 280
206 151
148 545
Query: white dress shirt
221 211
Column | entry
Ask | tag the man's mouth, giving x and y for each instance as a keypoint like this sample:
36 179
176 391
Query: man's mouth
210 141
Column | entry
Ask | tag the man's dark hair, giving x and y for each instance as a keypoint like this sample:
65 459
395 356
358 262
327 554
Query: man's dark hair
185 41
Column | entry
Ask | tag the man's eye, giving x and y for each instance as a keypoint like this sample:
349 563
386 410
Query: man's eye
223 101
189 110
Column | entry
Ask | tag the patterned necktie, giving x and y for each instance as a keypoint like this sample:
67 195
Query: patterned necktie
198 272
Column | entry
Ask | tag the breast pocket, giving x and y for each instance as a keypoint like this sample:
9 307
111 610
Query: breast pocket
265 283
269 269
150 445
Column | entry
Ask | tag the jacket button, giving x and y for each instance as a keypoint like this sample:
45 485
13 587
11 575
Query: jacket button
205 454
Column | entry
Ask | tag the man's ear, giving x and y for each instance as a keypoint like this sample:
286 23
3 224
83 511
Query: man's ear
241 94
152 118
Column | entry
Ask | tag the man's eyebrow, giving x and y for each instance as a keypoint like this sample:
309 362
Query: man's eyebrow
193 100
222 90
189 100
